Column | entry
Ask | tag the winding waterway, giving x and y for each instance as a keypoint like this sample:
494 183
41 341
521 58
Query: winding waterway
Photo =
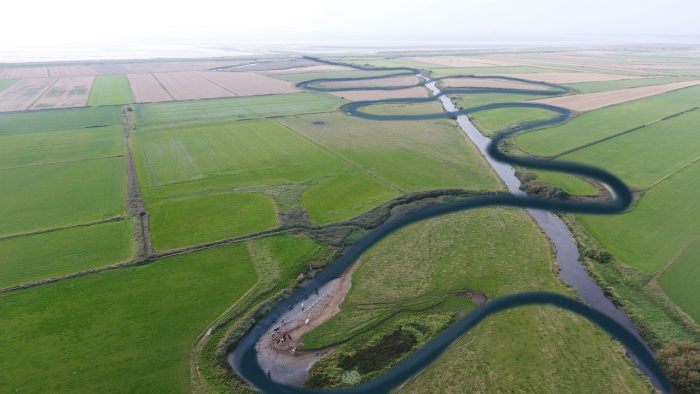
599 309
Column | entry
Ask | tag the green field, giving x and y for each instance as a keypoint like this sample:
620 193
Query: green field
478 99
412 278
196 220
19 150
29 258
438 72
432 107
588 87
225 110
569 183
110 90
492 121
661 225
605 122
62 119
408 155
125 330
682 279
6 83
38 197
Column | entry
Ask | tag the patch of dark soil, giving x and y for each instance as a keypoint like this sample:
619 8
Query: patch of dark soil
477 296
294 218
376 357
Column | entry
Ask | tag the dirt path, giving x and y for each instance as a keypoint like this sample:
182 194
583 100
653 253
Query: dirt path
277 349
134 202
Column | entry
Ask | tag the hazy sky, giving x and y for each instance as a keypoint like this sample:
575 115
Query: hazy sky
30 25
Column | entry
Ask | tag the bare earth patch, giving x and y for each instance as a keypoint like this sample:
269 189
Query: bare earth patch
66 93
462 61
362 95
71 71
591 101
247 83
147 89
23 72
489 83
383 82
572 77
21 95
146 67
189 85
310 69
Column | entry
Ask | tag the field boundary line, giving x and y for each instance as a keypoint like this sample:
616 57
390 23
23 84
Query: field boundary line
345 159
588 144
163 86
61 162
199 74
41 95
54 229
673 259
666 177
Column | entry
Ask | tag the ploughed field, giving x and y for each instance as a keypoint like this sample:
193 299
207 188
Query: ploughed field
242 182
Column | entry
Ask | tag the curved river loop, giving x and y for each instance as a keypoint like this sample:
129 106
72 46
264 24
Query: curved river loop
599 310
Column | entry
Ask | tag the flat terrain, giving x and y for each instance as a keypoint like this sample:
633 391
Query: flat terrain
110 90
66 93
64 119
362 95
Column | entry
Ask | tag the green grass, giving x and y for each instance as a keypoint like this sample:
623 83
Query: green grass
411 155
220 110
478 99
438 72
6 83
127 330
661 224
681 281
30 258
61 119
492 121
391 62
645 156
604 122
39 197
191 221
569 183
432 107
345 196
589 87
110 90
17 150
415 274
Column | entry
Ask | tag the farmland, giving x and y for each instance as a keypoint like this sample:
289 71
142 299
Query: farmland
23 122
451 255
110 90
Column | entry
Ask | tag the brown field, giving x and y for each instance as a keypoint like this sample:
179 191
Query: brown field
310 69
462 61
23 72
21 95
489 83
399 81
591 101
362 95
71 71
188 85
269 65
573 77
66 93
147 89
248 84
162 66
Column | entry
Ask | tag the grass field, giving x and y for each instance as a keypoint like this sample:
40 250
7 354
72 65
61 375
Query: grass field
569 183
18 150
110 90
409 155
38 197
478 99
492 121
416 274
6 83
589 87
64 119
124 330
29 258
682 279
236 108
438 71
191 221
432 107
605 122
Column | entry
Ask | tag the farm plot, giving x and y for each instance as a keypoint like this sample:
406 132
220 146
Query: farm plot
589 87
188 85
606 122
23 72
463 61
488 83
225 110
362 95
492 121
196 220
681 281
149 66
30 122
147 89
110 90
571 77
71 71
381 82
34 257
420 278
410 155
45 196
135 326
24 149
5 83
21 95
591 101
248 84
66 93
310 69
495 70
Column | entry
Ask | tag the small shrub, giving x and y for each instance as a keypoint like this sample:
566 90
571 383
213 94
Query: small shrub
681 361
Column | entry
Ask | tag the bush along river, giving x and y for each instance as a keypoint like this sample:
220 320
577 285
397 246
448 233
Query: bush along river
246 360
